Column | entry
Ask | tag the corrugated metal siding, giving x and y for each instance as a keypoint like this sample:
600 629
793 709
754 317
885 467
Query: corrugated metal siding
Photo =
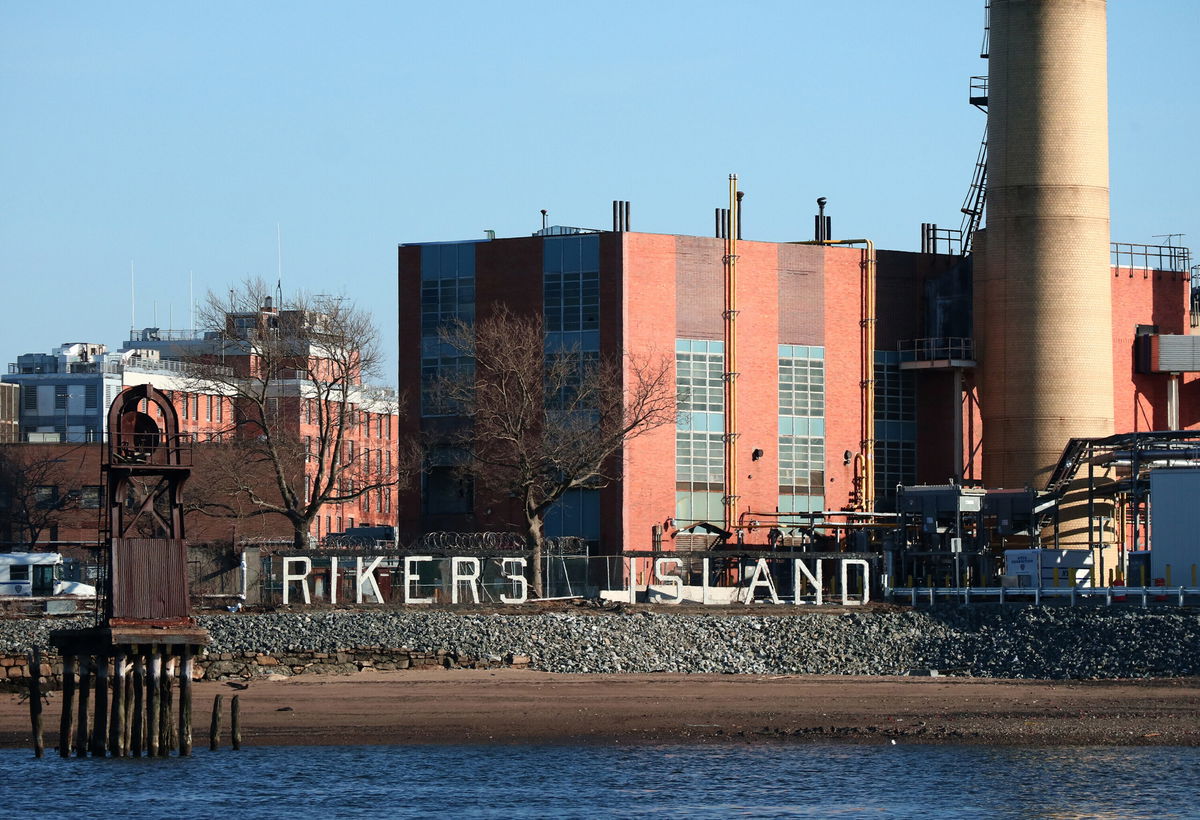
1178 354
1174 524
149 578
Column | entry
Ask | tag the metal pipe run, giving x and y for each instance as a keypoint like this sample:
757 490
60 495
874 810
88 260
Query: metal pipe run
867 322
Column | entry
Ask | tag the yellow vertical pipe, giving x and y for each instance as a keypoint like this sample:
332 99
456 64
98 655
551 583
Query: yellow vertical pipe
868 444
867 321
731 372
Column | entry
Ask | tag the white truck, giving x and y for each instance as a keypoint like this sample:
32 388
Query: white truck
37 574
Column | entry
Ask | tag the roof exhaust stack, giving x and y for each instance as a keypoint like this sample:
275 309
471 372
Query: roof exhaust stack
721 223
620 215
823 229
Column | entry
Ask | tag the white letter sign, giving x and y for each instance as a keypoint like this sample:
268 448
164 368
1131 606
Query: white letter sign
670 580
369 578
302 577
517 577
411 575
457 576
761 577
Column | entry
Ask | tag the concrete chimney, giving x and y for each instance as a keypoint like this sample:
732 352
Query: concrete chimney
1043 308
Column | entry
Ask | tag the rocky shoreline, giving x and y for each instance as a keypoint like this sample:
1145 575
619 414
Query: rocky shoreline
1046 643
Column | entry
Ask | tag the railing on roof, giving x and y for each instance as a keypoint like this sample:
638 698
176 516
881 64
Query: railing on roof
119 366
937 348
564 230
157 334
1134 256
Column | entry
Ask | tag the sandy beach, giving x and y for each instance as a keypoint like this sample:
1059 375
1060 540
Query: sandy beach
514 706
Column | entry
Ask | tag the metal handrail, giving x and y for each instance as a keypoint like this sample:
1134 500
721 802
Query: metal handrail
936 348
1135 256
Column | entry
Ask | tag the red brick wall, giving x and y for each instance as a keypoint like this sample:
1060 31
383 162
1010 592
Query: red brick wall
1148 298
801 295
843 371
757 364
648 317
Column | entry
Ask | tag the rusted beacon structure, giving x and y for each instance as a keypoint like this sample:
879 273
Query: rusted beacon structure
145 635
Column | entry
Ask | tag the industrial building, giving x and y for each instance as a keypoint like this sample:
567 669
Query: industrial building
817 376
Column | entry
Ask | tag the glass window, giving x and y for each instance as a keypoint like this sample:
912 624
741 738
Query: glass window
895 428
91 497
699 460
802 387
801 426
801 465
700 380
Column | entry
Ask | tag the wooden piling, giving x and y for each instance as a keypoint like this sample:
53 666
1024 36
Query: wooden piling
235 724
214 725
66 721
164 708
116 723
127 734
35 701
185 701
85 694
100 730
137 731
152 706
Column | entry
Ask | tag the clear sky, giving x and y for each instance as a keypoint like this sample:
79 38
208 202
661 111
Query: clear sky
181 137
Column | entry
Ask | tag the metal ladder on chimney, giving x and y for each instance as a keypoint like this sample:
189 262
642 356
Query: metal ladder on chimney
976 198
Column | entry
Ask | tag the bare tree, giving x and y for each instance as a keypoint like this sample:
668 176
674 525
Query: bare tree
295 375
542 424
33 496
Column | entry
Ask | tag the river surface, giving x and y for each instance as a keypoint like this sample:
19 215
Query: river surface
806 780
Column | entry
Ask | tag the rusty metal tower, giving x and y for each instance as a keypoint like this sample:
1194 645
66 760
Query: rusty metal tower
147 628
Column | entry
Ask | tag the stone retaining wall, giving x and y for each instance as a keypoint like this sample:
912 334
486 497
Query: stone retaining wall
15 668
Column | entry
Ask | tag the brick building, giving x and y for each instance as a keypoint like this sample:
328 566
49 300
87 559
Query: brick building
801 315
64 397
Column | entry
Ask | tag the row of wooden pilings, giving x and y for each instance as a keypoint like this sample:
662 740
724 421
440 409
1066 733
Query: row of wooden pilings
134 699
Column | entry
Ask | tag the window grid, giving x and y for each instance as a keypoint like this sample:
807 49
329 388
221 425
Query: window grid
802 387
896 450
895 393
433 370
699 460
700 380
445 300
802 465
802 395
572 301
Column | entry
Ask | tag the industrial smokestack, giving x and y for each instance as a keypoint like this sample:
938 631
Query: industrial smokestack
1043 307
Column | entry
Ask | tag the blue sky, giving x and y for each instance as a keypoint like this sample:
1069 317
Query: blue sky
178 136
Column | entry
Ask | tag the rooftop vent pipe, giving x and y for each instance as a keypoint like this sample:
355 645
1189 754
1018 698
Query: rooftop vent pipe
620 215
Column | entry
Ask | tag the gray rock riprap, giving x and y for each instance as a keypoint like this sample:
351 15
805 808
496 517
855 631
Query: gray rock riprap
1027 642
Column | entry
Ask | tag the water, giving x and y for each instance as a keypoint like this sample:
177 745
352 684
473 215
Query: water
843 781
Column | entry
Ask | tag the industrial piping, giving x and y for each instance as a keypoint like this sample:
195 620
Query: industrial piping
864 460
733 229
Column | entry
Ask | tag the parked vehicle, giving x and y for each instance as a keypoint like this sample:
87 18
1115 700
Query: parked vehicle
37 574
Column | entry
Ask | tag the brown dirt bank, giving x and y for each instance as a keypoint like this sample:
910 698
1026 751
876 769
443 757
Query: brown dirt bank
511 706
